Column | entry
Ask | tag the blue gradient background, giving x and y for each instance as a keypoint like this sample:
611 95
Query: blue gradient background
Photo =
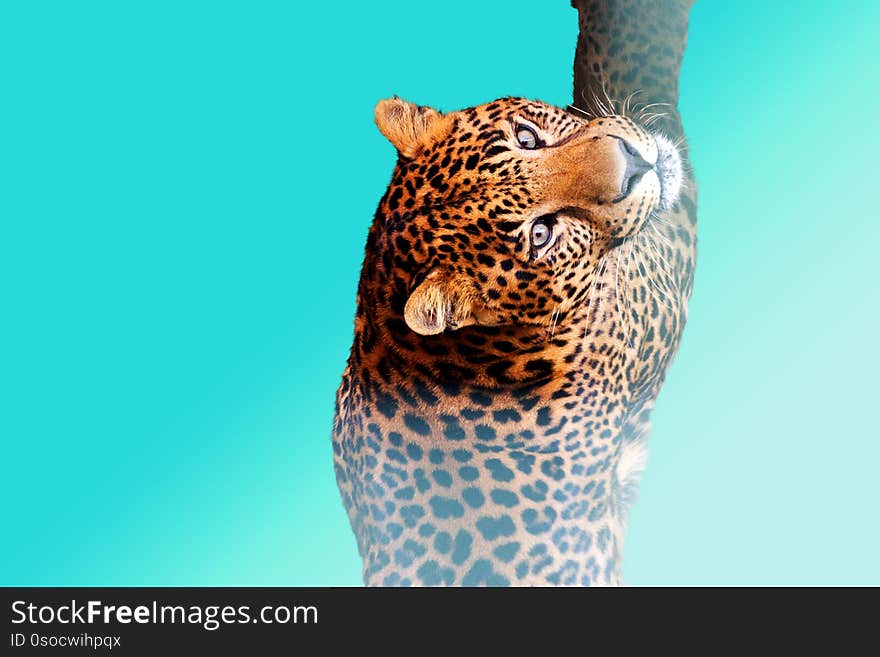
185 190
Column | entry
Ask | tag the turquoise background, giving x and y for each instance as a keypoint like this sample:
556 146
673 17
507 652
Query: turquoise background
185 190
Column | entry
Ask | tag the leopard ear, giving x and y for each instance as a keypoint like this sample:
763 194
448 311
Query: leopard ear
443 302
408 126
435 305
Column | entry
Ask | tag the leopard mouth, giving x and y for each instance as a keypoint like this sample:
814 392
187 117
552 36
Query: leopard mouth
666 165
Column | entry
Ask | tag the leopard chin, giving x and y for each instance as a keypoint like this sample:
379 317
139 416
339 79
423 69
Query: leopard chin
669 171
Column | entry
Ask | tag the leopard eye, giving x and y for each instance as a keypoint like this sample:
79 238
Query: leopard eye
526 137
542 233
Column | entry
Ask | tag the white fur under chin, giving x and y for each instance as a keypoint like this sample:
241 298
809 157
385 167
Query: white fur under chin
669 170
633 459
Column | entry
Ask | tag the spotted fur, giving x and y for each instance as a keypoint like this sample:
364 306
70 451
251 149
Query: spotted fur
492 419
502 448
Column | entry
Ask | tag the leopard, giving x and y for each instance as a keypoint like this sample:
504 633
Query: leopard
523 293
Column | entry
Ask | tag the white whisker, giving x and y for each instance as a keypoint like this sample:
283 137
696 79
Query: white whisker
654 254
664 291
600 270
646 276
628 287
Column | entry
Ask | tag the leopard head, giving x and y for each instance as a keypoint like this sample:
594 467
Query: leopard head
501 214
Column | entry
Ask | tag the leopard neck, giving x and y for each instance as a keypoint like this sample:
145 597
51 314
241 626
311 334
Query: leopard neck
617 56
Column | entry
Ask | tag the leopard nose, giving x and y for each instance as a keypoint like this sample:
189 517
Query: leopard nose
635 167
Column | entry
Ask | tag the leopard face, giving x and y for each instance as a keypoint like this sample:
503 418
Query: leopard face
500 214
